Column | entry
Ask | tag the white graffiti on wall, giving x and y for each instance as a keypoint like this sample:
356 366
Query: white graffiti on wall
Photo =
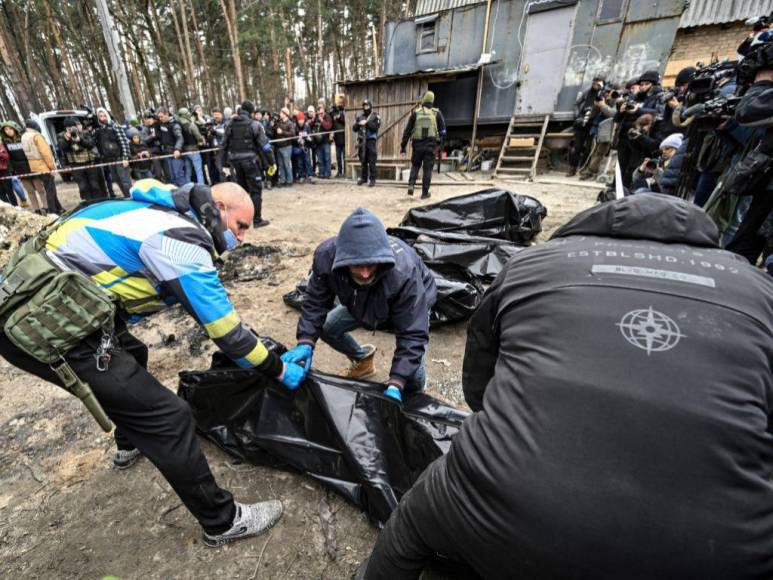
586 61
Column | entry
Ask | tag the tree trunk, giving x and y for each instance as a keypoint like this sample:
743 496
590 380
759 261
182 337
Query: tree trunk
229 14
207 95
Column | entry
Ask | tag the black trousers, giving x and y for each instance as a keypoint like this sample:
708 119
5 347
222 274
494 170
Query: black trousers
147 416
414 536
368 158
747 241
340 154
91 183
6 188
247 173
51 198
624 156
580 148
422 155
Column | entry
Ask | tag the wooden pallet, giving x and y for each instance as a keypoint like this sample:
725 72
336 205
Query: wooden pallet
522 146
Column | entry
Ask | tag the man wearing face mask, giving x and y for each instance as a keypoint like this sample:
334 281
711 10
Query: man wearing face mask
380 282
148 252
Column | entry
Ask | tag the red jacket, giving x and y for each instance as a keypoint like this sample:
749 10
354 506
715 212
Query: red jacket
4 155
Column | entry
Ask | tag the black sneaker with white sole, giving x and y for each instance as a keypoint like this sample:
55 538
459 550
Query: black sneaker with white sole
125 458
250 520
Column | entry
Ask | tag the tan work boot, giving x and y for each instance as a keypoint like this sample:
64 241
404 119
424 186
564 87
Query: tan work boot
364 368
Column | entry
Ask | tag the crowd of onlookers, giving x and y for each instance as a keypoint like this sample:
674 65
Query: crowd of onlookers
176 147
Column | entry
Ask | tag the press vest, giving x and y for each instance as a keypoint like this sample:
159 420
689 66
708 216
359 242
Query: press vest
167 135
188 139
241 139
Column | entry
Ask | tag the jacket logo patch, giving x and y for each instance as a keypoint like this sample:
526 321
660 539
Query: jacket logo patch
650 330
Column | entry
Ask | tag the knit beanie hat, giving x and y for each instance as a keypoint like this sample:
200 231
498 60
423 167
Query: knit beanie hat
673 141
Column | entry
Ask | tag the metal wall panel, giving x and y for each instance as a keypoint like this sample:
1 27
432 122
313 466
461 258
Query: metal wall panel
430 6
703 12
639 10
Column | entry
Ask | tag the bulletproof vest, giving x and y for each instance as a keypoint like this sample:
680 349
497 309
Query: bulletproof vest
241 140
167 134
18 157
425 126
188 139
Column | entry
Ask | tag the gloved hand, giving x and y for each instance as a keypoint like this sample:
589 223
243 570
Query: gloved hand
394 392
292 375
271 170
300 355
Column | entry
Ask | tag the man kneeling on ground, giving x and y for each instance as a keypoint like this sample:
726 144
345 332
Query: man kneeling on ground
148 252
380 282
622 379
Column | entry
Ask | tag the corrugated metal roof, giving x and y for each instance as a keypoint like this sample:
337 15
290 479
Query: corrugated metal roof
703 12
432 6
428 72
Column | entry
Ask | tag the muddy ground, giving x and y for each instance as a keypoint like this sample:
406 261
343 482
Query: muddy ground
65 514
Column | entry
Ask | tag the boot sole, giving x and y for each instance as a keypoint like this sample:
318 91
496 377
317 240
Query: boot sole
224 541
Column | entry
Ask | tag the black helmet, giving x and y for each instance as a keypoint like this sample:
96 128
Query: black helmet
651 76
366 104
685 75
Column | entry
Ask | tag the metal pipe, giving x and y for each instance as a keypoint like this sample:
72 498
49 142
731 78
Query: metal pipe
479 90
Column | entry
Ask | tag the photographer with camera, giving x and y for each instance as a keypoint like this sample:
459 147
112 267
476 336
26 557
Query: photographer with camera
77 144
586 108
602 132
752 175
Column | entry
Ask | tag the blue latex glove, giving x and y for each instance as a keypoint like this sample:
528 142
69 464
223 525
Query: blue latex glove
293 375
394 393
300 354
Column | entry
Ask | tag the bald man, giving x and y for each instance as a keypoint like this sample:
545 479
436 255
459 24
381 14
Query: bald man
148 252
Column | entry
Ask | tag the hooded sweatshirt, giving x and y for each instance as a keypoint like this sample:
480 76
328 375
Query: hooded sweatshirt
152 251
621 374
400 297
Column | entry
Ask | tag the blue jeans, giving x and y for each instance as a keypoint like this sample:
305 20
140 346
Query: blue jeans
177 171
193 166
285 162
335 332
323 159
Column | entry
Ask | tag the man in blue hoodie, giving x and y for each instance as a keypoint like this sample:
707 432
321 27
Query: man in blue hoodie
149 252
381 283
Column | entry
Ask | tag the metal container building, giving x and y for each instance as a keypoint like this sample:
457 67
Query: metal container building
528 57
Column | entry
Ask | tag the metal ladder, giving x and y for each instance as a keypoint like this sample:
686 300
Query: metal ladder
521 160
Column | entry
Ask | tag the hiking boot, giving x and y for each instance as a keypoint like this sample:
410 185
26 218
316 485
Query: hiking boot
250 520
260 223
572 172
410 190
364 367
372 184
426 195
360 181
125 458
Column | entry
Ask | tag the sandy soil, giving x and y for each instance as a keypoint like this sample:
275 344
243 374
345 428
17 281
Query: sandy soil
64 513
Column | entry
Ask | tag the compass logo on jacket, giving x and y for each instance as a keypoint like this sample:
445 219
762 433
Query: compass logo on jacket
650 330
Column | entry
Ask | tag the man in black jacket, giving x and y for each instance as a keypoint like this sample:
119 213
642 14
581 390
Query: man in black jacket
622 382
587 106
245 140
425 127
77 144
380 282
113 146
338 112
171 141
366 126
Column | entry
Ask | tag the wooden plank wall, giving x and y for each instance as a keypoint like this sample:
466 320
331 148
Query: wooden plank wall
392 100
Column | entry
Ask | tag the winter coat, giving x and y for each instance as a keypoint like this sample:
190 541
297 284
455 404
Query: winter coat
368 131
339 124
38 151
140 151
621 374
288 130
669 180
400 297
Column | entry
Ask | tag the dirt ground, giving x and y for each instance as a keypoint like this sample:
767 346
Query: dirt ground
65 514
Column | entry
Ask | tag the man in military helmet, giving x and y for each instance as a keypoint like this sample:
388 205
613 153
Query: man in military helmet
425 127
366 125
245 140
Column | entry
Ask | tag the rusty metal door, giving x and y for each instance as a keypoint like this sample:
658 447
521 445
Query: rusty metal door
545 51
